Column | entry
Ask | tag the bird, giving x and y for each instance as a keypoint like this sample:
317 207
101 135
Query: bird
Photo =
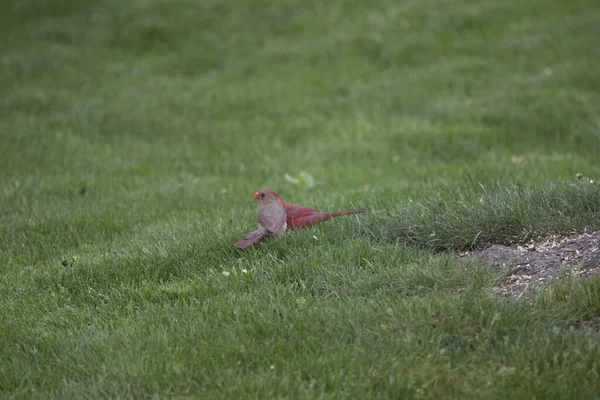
301 216
271 220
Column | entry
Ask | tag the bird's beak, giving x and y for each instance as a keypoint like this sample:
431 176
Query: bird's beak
255 195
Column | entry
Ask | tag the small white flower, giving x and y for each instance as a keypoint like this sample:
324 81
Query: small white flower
225 273
272 367
245 270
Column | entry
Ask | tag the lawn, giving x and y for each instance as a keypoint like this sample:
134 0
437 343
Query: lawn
133 135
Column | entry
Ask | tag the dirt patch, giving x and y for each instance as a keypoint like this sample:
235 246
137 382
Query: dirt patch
534 265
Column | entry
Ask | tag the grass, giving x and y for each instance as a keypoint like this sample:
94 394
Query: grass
134 134
458 217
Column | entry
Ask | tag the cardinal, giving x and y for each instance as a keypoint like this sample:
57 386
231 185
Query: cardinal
301 216
271 220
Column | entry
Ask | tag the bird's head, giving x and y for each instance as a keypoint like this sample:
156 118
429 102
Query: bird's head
266 196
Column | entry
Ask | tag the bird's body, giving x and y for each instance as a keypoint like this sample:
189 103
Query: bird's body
275 216
271 221
301 216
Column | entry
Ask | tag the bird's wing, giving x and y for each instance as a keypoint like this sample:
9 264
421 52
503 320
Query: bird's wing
294 211
251 238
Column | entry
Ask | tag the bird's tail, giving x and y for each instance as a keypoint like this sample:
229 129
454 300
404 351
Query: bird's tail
346 212
251 238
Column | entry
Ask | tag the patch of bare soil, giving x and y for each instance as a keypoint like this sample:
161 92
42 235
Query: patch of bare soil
534 265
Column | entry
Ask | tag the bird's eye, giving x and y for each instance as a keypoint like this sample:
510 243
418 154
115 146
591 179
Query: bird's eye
262 195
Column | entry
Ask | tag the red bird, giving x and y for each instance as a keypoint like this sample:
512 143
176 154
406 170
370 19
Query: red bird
300 216
271 220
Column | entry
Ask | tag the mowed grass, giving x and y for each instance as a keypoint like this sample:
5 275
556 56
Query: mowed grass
133 135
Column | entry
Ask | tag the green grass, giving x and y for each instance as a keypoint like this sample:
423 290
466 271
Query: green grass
458 217
456 123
